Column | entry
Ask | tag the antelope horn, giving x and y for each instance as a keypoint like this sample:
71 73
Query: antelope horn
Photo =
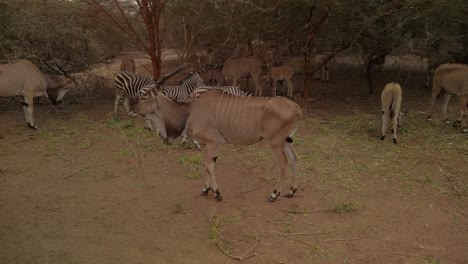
169 75
50 67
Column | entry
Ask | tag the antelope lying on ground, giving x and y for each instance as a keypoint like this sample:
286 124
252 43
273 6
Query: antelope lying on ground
22 78
216 118
451 79
236 68
128 64
281 73
391 103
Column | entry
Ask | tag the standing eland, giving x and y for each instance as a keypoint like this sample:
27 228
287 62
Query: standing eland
23 78
216 117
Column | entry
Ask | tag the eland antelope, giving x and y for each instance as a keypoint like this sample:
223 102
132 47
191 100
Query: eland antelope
281 73
128 64
206 62
451 79
236 68
391 104
23 78
215 118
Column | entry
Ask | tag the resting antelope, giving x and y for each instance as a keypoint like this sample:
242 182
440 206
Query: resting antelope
215 118
236 68
450 79
23 78
128 64
391 104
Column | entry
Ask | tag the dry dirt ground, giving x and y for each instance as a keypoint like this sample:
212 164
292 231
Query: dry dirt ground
89 188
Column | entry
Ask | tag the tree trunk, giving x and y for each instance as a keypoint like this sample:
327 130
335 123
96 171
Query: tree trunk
369 76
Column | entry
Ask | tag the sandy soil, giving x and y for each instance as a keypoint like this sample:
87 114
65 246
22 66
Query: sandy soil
89 188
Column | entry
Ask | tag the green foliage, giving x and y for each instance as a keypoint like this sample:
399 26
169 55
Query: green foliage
61 31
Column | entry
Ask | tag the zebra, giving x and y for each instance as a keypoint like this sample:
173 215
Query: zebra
128 86
181 94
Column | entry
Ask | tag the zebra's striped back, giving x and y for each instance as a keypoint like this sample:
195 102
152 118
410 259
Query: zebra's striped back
128 84
233 90
182 93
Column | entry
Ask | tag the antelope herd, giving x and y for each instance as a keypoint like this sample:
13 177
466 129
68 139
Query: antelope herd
217 115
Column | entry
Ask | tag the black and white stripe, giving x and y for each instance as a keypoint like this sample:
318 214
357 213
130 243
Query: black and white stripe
182 93
127 86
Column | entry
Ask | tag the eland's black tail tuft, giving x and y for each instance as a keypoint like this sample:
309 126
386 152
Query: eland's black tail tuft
289 140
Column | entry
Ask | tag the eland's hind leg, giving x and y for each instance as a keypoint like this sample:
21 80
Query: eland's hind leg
292 158
384 123
280 158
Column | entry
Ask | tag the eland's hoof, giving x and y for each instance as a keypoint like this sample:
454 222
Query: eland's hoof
395 141
218 196
273 196
34 127
291 193
382 137
205 191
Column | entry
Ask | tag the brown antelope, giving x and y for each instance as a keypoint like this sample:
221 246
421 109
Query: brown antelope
463 109
323 73
206 63
268 58
216 118
281 73
236 68
128 64
450 79
23 78
391 104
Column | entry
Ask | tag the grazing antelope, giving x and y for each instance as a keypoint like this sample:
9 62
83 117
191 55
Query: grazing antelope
323 72
215 118
23 78
236 68
128 64
281 73
391 103
128 84
451 79
170 126
463 109
268 58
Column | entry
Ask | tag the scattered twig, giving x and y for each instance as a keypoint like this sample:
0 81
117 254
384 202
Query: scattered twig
451 179
298 234
242 257
293 239
347 239
407 255
376 259
258 187
85 168
292 211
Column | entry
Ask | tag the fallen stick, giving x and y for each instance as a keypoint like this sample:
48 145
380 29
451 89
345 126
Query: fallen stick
346 239
85 168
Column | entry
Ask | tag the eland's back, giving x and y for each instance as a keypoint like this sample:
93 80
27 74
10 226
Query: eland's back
16 76
244 120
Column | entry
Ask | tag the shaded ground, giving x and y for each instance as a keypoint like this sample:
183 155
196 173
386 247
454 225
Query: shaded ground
87 188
